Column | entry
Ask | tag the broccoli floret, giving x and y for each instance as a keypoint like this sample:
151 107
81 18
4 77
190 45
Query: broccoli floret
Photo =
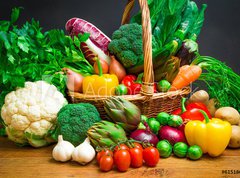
136 45
74 120
117 34
126 44
126 56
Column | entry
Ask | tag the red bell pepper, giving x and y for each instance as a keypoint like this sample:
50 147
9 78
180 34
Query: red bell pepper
134 84
191 111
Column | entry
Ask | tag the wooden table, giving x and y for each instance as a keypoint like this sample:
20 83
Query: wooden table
30 162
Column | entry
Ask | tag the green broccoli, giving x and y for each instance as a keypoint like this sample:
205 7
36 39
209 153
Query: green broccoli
126 45
74 120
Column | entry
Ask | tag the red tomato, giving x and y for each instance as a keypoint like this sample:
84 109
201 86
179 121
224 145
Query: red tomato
121 147
122 160
138 145
106 163
136 157
151 156
102 153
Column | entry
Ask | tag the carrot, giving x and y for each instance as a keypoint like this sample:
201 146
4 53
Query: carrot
187 74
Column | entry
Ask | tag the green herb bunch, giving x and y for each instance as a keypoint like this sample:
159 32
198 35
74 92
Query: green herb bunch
222 82
28 54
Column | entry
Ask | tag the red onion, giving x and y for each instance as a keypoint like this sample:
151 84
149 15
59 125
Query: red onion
173 135
144 136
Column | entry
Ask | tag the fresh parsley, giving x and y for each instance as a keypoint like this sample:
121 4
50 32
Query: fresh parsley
28 54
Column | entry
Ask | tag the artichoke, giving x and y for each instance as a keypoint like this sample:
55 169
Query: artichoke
106 134
123 113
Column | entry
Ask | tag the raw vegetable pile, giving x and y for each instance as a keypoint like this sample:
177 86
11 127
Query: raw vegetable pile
28 54
38 68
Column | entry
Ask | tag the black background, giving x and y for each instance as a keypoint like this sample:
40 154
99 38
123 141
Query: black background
219 38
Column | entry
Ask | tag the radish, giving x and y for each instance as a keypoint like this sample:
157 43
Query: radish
97 42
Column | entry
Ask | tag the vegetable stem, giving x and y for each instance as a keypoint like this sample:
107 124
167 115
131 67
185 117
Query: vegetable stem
205 116
183 105
99 67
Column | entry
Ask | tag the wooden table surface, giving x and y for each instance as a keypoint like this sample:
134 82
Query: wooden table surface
31 162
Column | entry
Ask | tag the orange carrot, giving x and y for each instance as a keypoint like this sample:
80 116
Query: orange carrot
187 74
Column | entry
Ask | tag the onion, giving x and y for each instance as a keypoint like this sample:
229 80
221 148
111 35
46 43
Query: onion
104 65
173 135
74 80
145 136
117 68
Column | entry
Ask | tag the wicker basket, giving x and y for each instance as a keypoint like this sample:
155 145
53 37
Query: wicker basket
150 103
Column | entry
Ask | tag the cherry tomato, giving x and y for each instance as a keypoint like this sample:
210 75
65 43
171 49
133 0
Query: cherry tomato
136 157
102 153
138 145
151 156
121 147
106 163
122 160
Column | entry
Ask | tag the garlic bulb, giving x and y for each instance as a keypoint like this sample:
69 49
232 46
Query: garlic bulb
84 153
63 150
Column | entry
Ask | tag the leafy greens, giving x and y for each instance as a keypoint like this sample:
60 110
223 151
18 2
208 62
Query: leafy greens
222 82
173 20
28 54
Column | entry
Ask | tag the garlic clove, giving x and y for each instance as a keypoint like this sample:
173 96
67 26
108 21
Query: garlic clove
63 150
84 153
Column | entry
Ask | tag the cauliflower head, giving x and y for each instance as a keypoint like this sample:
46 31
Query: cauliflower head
29 113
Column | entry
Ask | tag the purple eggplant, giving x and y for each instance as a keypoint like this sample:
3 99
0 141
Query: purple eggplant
187 52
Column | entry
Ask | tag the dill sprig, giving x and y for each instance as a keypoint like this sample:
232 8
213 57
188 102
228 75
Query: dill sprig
222 82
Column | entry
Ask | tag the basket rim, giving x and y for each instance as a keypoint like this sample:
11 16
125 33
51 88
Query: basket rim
170 94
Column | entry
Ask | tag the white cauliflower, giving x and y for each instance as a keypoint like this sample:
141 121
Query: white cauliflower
30 112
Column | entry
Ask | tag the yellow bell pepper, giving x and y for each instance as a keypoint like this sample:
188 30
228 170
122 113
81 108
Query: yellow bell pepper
211 135
102 84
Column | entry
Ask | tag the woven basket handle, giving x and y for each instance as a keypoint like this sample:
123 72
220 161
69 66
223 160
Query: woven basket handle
148 78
